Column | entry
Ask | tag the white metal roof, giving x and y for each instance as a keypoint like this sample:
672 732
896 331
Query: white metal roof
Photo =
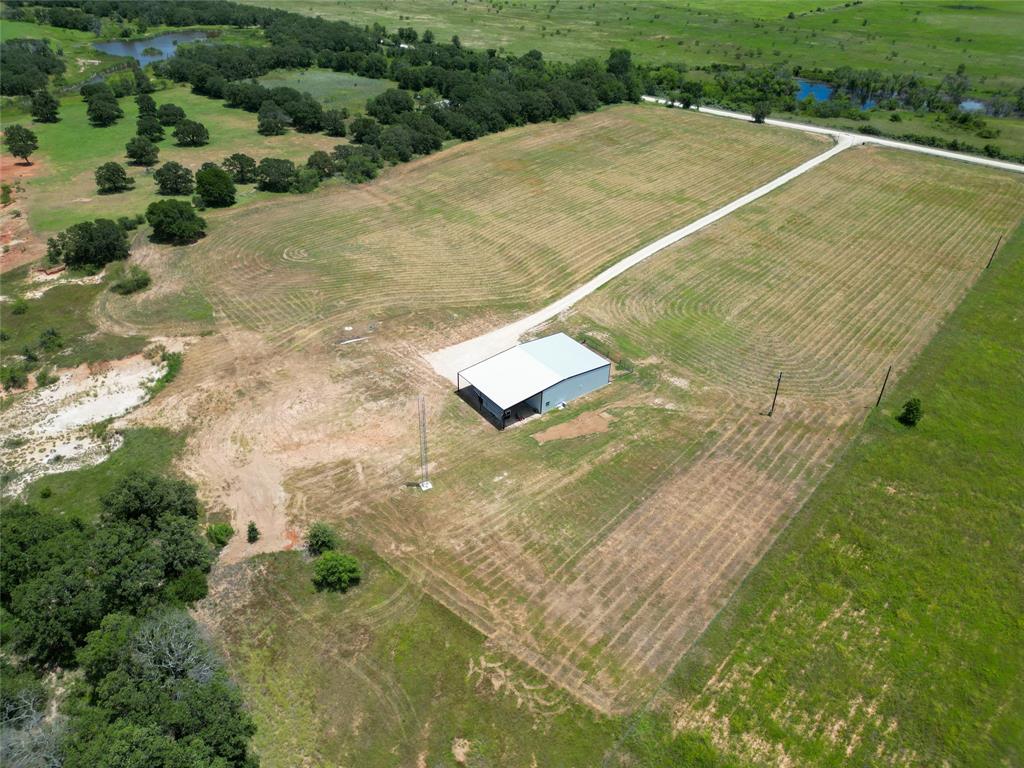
521 372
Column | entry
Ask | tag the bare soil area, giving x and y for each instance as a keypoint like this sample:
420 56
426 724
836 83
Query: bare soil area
589 423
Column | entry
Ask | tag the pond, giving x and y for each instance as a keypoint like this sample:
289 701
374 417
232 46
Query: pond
821 92
152 48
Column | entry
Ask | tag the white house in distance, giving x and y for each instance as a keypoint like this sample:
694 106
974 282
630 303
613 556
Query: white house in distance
533 378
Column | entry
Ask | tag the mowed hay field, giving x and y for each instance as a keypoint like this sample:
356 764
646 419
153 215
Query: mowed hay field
599 559
500 224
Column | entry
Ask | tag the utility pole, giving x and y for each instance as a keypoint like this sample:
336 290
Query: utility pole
776 397
998 243
884 382
425 484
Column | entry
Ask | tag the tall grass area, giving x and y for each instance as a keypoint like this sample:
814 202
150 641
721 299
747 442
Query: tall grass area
887 626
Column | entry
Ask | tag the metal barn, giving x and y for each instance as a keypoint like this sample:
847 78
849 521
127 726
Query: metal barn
532 378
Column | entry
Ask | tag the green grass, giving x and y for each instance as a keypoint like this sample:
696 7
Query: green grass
891 605
77 493
332 89
381 675
82 61
68 310
64 190
916 36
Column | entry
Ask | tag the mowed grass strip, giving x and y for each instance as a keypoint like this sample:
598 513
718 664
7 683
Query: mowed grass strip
335 90
502 223
885 626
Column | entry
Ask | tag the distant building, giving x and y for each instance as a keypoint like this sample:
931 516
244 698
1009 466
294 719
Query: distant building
533 378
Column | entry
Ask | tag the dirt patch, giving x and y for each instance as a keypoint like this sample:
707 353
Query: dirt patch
51 429
589 423
460 750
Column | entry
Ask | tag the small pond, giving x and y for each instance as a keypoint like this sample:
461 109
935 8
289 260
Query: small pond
151 49
821 92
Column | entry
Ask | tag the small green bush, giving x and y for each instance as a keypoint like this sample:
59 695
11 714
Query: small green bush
252 535
12 377
189 587
219 534
911 413
135 278
19 307
5 194
336 572
321 538
45 377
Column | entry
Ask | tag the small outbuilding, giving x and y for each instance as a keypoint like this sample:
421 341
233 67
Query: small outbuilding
532 378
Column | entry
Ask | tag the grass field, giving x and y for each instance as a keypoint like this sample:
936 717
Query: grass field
884 627
383 676
332 89
570 202
64 189
916 36
600 559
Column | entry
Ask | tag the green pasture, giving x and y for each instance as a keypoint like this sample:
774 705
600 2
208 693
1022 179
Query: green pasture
78 493
383 676
888 616
64 191
332 89
916 36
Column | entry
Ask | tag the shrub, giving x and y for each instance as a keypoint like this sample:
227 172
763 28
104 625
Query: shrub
322 163
44 378
320 538
50 340
135 279
189 587
175 221
306 180
911 413
112 178
13 377
20 307
334 122
89 243
252 533
219 534
5 194
336 572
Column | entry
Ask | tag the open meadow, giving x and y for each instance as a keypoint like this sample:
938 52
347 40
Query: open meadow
916 36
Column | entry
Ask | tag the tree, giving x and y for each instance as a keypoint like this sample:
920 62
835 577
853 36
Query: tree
145 497
365 130
334 122
149 126
322 163
142 151
146 104
189 133
214 187
170 114
252 534
173 178
761 111
112 178
88 243
389 105
275 175
272 120
336 572
911 413
359 168
306 180
20 142
241 167
320 538
396 143
44 107
175 221
103 111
